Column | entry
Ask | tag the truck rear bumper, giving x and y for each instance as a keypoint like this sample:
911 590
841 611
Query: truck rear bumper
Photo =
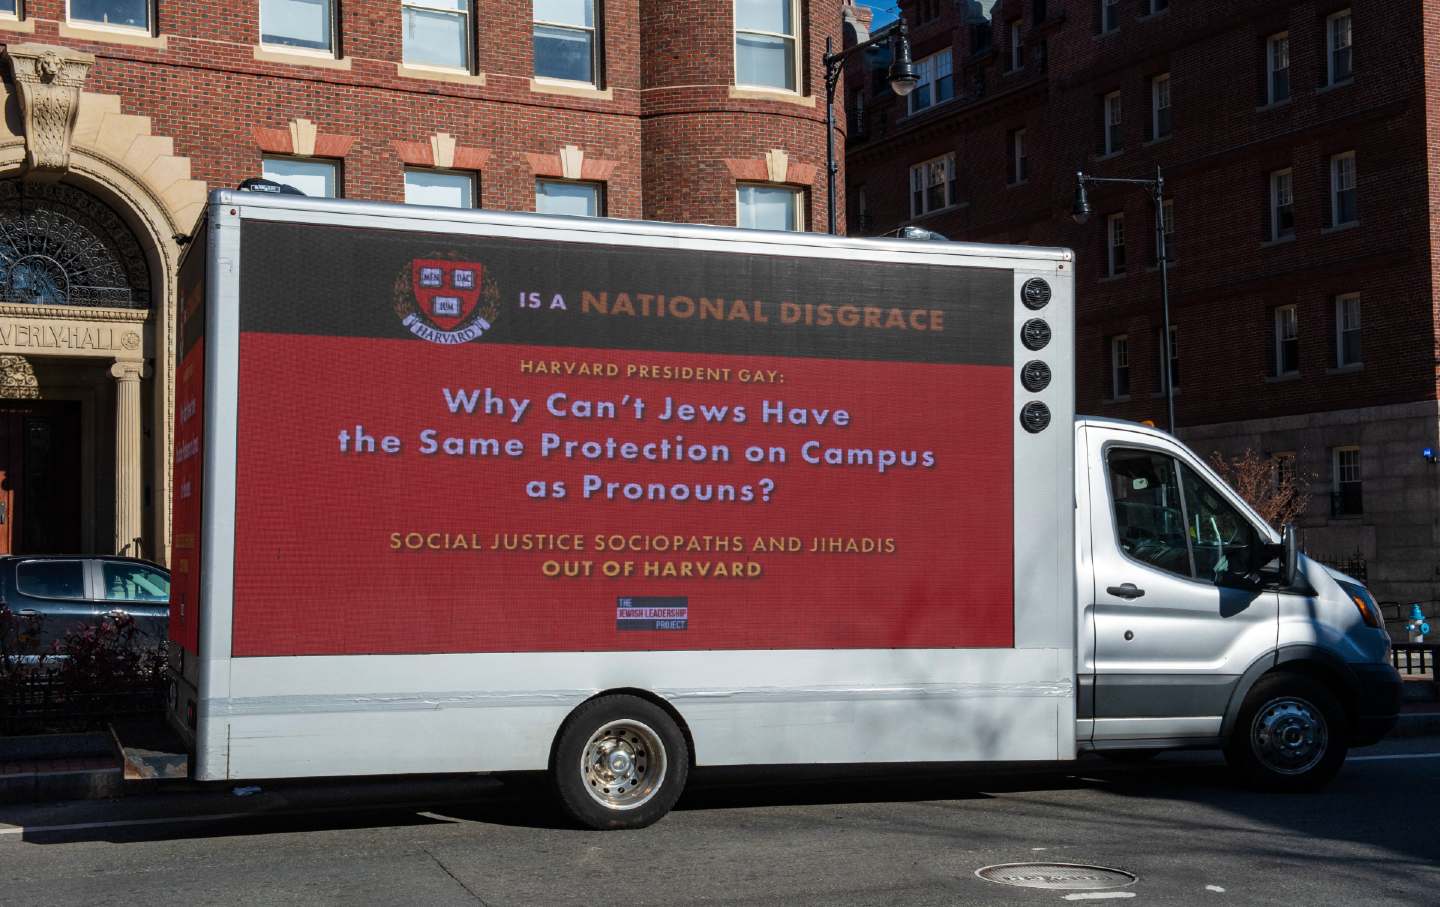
1378 703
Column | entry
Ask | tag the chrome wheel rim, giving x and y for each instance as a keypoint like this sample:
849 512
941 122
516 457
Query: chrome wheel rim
623 764
1289 736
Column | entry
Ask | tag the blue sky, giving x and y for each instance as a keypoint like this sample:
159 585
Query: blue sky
884 10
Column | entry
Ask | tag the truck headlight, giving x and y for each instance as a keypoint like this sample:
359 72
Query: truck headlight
1364 603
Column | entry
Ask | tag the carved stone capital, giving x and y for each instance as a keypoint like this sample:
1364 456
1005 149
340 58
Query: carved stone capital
48 80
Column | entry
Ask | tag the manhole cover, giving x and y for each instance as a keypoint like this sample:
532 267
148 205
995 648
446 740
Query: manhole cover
1056 876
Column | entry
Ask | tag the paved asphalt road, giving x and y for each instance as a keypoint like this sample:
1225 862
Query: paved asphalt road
1178 823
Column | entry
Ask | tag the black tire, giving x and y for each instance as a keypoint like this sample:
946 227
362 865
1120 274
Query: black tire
619 762
1291 735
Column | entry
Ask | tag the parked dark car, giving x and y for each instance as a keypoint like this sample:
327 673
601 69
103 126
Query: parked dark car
66 591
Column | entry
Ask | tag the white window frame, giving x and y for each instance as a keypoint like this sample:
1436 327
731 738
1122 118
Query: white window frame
1332 48
1342 304
466 174
464 14
1114 115
928 73
1017 45
921 170
98 26
1018 163
1109 16
1158 85
19 8
1272 67
797 223
596 49
1115 227
1281 337
797 75
1276 176
1119 359
598 186
335 165
324 52
1337 167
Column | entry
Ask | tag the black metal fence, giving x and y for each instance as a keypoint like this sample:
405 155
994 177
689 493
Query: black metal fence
1353 564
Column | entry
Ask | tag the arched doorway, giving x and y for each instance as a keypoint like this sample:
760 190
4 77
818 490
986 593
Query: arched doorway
78 284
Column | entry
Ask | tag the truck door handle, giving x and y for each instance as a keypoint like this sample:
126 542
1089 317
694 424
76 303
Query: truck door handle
1127 591
28 612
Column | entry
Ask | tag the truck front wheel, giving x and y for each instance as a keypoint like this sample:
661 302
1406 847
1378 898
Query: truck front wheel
1290 735
620 762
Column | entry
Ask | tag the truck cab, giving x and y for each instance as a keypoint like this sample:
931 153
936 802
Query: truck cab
1201 626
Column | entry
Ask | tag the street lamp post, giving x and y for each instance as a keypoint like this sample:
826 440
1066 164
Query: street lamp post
1081 213
902 81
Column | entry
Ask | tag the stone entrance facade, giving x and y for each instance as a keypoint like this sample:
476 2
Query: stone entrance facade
93 215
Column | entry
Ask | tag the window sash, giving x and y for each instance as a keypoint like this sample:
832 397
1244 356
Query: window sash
1160 105
293 24
1347 330
1277 65
1339 42
417 192
1114 120
1115 236
424 52
1347 466
131 14
565 194
789 46
1110 16
9 9
1120 366
1017 47
300 172
935 81
932 185
1342 189
751 202
1287 340
1282 204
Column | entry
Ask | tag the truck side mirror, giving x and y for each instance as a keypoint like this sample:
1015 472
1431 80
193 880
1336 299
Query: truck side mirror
1289 556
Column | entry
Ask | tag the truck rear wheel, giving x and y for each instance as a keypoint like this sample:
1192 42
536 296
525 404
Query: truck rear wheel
620 762
1290 735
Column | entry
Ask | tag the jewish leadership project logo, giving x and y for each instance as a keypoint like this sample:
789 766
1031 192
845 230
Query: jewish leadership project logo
446 301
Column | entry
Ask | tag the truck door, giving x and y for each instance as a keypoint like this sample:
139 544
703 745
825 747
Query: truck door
1176 624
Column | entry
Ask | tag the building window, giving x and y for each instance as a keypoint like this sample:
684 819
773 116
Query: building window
1282 469
765 44
1346 497
1174 377
124 13
1017 46
566 197
936 81
1167 211
440 188
1339 61
566 40
1109 16
1120 367
1115 243
1277 68
1287 341
1019 162
1159 6
1114 119
857 114
769 208
9 9
297 23
436 32
1160 106
316 178
1282 205
932 185
1347 330
1342 190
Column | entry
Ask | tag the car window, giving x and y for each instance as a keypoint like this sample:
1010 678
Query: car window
50 579
1221 538
134 583
1149 518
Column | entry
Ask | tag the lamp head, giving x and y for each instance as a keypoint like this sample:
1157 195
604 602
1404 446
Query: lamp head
902 75
1080 212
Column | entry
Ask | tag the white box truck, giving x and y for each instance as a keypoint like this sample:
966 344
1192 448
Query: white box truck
465 491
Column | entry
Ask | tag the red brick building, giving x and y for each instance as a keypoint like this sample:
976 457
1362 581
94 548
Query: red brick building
120 114
1297 143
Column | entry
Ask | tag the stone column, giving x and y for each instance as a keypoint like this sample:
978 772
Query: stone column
127 374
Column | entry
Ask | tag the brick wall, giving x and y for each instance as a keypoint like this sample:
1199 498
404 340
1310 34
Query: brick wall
206 88
1226 279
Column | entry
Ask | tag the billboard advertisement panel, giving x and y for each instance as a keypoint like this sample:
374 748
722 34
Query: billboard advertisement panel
482 444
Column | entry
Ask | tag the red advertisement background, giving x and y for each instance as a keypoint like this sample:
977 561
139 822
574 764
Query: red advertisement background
315 574
184 625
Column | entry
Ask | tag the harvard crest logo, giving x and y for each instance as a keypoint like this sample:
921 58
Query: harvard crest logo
446 301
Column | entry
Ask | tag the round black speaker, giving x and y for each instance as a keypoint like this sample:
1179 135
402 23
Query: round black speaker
1035 417
1035 376
1035 293
1035 334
